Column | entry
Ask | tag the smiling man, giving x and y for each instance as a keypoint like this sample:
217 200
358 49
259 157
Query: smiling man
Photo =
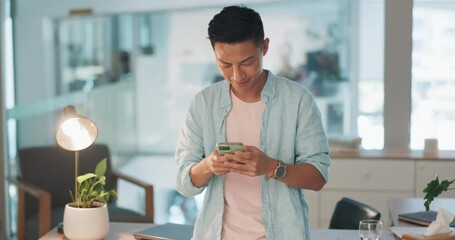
257 193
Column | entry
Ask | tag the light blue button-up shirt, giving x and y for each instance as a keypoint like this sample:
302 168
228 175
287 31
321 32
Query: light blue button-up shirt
291 131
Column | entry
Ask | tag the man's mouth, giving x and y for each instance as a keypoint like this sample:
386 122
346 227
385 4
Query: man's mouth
242 83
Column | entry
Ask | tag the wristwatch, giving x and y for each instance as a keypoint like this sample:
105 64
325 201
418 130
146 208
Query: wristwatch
280 170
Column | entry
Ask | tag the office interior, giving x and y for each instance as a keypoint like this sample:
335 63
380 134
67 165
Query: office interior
381 71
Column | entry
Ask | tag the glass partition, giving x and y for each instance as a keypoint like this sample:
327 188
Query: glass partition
310 44
93 51
433 74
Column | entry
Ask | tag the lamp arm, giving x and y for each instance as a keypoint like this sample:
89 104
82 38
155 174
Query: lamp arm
76 166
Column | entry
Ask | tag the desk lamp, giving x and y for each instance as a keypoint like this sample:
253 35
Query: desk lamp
74 133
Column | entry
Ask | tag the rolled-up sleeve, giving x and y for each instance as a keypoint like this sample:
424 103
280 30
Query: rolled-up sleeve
311 142
189 150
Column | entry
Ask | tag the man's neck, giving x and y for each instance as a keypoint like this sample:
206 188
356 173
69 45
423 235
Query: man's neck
254 95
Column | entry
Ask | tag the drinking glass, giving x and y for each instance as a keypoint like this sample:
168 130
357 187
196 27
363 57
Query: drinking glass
370 229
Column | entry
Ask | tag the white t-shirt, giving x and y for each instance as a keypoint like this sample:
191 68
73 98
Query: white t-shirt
242 218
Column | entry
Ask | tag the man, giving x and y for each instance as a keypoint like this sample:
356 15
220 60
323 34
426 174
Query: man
256 193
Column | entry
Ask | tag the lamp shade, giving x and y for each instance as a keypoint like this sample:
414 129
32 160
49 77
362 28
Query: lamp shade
75 132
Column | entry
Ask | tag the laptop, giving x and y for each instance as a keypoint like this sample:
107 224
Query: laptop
166 231
424 218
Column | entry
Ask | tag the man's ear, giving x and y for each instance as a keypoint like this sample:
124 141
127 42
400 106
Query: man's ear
265 46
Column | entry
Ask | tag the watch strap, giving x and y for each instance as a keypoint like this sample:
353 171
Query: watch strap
277 165
267 177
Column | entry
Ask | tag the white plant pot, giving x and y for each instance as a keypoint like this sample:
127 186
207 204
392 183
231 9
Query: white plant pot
85 223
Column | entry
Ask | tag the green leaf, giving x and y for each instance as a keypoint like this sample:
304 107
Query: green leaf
91 187
100 169
84 177
435 188
113 193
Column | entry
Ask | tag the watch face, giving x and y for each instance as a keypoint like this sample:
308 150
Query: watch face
281 171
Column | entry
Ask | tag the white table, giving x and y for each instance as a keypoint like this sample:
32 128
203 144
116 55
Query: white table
124 231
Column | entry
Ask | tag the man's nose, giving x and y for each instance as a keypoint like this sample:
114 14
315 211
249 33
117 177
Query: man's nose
237 73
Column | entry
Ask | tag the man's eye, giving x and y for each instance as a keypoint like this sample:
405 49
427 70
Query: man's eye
248 62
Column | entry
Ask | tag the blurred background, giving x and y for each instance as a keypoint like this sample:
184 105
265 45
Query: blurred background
133 67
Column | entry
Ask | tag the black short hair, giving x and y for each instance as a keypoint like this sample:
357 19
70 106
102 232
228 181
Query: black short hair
236 24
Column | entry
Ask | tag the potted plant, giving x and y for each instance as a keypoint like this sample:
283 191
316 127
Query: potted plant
435 188
87 216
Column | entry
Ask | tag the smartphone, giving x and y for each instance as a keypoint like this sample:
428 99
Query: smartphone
229 147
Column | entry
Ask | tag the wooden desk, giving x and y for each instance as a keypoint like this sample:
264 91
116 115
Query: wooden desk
124 231
407 205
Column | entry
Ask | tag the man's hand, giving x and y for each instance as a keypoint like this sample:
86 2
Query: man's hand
201 172
251 162
216 164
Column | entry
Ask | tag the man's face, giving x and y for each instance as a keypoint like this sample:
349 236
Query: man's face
241 65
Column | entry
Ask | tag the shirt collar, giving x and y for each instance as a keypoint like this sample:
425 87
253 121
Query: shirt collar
268 91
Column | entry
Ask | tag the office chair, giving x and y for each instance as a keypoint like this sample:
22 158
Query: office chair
46 178
348 213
